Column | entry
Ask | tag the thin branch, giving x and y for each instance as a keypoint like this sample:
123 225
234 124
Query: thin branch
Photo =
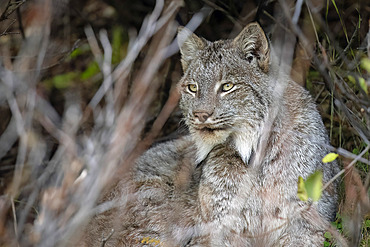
349 166
4 15
350 155
10 8
104 240
14 218
5 32
297 12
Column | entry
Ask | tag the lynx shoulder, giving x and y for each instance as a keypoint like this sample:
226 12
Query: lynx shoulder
233 180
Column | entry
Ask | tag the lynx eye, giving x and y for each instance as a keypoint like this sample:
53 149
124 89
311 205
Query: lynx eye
193 88
227 86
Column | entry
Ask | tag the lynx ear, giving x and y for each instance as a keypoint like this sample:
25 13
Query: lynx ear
189 44
252 42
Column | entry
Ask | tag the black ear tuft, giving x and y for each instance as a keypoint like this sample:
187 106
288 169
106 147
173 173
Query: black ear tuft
250 58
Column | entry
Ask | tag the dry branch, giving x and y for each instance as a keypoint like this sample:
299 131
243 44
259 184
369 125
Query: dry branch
67 197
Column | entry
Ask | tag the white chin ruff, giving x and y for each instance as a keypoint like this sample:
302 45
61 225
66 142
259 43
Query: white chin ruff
243 142
206 141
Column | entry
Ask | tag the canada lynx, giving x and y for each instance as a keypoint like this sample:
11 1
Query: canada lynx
233 180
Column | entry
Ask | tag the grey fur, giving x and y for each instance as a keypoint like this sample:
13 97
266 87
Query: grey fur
233 180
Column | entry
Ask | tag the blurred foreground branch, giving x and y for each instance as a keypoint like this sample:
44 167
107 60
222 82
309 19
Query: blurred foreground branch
60 184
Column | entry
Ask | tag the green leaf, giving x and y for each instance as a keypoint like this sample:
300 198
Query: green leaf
76 52
83 49
341 20
90 71
351 79
365 64
330 157
339 226
311 188
363 84
64 80
301 192
328 235
313 185
116 44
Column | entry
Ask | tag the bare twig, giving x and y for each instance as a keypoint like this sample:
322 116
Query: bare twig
5 14
14 218
344 170
5 32
350 155
104 240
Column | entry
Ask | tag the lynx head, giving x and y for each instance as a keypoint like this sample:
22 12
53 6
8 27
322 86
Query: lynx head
225 89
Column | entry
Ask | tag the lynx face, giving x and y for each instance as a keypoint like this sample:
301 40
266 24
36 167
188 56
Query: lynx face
225 93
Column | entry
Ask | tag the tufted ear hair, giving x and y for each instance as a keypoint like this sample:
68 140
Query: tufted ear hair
189 45
252 42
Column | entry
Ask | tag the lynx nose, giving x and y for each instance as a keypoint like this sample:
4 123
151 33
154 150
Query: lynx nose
202 116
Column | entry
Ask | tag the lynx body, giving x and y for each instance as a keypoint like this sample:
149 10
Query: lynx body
233 180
